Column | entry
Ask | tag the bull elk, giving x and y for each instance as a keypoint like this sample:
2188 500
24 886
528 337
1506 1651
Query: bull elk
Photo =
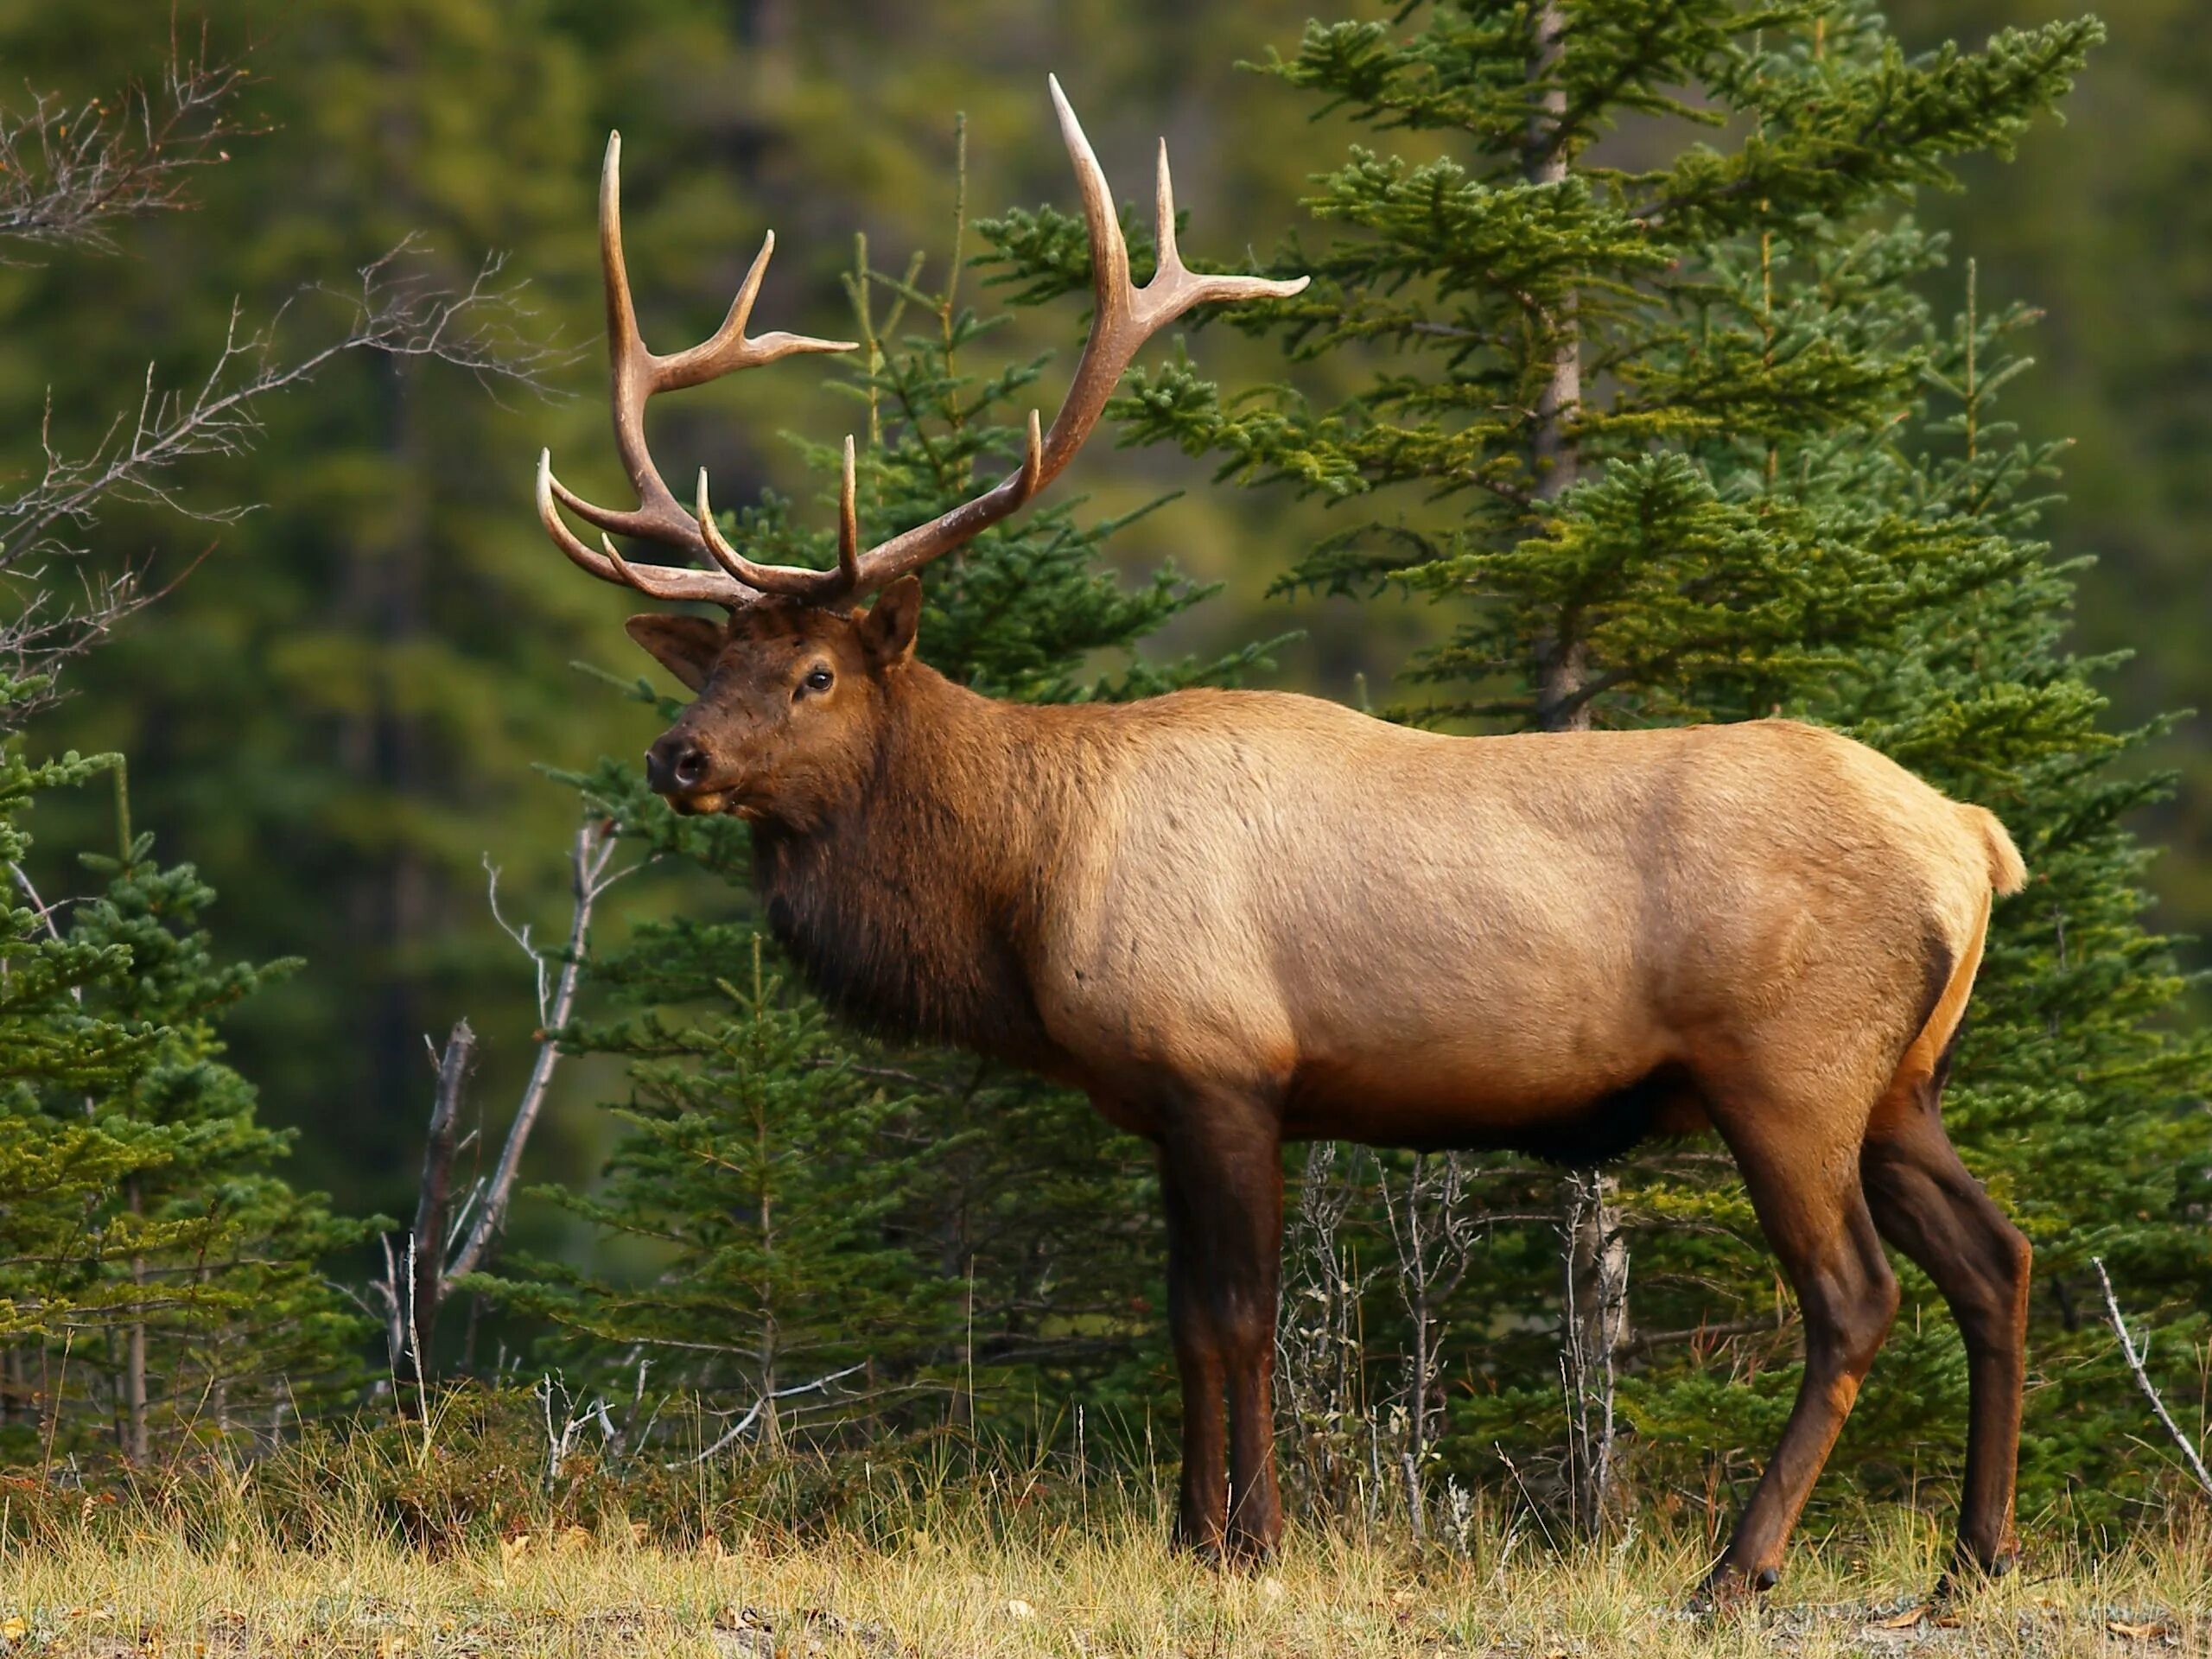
1235 918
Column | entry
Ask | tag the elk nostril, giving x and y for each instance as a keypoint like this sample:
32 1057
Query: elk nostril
691 766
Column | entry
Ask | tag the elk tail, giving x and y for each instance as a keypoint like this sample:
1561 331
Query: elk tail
2008 872
1927 1060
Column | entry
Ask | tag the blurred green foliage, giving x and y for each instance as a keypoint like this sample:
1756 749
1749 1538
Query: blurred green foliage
2101 225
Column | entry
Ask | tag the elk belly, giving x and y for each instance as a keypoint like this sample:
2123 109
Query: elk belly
1581 1129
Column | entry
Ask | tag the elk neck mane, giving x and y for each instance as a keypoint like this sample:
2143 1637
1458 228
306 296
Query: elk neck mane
909 907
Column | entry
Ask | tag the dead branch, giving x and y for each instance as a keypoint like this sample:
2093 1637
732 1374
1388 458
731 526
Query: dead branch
1645 1342
444 1245
594 850
1594 1330
69 176
70 172
397 311
820 1384
422 1284
1435 1236
2136 1359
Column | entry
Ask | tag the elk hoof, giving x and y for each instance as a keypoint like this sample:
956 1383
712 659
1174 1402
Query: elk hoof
1966 1571
1207 1548
1248 1550
1727 1588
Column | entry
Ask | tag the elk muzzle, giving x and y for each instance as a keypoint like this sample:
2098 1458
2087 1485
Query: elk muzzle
680 769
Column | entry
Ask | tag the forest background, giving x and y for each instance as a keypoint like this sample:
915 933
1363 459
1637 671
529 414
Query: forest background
348 707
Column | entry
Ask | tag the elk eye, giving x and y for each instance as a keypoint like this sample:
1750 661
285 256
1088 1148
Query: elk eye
818 681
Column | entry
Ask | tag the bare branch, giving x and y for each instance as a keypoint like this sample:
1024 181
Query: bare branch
393 313
745 1423
520 935
69 172
2135 1363
588 864
413 1302
398 311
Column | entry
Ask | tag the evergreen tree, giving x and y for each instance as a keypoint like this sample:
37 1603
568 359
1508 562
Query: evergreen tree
56 1163
231 1325
1662 425
148 1245
756 1177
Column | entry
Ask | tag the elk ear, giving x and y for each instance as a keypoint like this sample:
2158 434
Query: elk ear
685 645
888 631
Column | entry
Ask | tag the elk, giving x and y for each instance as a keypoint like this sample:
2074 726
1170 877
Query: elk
1237 918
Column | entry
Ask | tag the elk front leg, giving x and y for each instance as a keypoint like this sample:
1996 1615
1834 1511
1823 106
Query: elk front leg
1221 1173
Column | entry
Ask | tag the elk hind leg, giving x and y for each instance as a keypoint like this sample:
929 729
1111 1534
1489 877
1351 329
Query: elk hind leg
1926 1203
1815 1215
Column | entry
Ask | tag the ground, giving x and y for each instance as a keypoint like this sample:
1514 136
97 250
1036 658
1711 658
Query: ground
1088 1587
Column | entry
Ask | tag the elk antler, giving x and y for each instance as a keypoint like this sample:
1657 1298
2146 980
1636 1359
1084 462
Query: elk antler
1124 318
635 374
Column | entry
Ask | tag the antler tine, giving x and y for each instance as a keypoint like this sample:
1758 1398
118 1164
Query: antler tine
1032 458
796 580
632 379
1123 318
849 520
1163 218
656 581
730 347
1175 288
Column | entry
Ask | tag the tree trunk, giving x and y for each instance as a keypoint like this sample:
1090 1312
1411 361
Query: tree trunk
1594 1329
134 1354
1594 1315
416 1290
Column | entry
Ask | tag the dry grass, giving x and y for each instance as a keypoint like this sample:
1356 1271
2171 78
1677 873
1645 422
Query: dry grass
990 1584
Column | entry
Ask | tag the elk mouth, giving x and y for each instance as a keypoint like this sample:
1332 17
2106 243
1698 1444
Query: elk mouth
727 801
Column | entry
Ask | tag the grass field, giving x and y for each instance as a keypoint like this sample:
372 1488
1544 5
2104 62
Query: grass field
994 1584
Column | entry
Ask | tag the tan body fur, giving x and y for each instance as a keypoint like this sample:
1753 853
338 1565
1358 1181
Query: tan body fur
1448 941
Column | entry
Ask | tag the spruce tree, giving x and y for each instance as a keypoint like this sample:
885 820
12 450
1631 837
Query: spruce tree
751 1193
57 1164
1659 420
149 1244
216 1263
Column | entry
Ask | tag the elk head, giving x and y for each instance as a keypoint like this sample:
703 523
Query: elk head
789 701
790 690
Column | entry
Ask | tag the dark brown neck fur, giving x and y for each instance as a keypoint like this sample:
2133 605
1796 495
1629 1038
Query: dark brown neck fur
910 907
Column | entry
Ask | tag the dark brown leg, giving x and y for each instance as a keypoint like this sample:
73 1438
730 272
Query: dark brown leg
1813 1213
1221 1168
1202 1503
1248 1321
1927 1205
